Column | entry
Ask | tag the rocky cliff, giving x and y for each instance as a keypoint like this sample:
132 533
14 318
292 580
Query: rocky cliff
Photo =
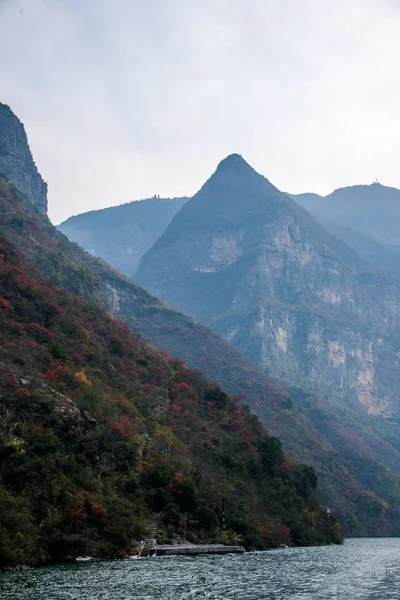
245 259
16 162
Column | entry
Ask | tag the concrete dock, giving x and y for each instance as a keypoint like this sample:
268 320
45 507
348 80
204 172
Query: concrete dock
194 549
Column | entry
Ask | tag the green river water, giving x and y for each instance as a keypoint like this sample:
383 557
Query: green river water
367 569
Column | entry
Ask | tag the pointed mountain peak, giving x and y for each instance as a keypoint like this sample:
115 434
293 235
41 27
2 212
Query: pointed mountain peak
234 171
235 163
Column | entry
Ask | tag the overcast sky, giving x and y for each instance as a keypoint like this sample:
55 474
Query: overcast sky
124 99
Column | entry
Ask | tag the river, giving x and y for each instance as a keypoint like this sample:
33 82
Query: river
361 569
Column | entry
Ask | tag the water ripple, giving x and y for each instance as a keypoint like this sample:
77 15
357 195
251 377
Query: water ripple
359 570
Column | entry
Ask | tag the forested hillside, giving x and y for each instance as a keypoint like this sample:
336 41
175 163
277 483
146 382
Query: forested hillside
170 330
98 429
352 479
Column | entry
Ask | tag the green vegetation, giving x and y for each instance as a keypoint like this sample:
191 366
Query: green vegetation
98 430
170 330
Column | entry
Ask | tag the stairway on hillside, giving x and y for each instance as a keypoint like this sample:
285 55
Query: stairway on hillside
151 541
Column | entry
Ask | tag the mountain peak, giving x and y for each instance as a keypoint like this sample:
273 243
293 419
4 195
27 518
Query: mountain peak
232 172
234 163
233 160
16 163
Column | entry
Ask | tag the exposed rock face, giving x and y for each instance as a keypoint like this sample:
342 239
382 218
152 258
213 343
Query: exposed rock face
347 453
122 234
244 258
16 162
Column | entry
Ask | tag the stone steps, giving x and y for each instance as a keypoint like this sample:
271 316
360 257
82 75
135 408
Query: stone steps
151 541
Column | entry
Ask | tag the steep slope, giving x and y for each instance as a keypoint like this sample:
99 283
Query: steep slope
361 511
98 429
69 266
245 259
16 162
366 217
122 234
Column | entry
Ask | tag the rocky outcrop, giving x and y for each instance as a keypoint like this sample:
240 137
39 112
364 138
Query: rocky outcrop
245 259
16 162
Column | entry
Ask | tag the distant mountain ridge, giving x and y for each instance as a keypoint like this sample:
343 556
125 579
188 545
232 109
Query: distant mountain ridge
366 217
121 234
373 210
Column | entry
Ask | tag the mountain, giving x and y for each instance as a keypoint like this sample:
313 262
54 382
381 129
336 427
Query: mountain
361 510
372 210
67 265
245 259
385 257
122 234
98 429
16 162
366 217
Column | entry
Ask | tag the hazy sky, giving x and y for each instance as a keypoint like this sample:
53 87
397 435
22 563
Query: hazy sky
124 99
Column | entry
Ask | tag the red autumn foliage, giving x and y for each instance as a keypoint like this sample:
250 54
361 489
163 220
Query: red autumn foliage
183 386
5 304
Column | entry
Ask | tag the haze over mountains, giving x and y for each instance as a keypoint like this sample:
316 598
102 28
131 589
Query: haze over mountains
122 234
366 217
372 210
87 408
240 249
246 260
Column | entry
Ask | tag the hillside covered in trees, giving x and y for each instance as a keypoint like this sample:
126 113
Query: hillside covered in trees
98 430
361 492
360 512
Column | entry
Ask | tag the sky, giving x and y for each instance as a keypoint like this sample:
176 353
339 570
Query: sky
124 99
